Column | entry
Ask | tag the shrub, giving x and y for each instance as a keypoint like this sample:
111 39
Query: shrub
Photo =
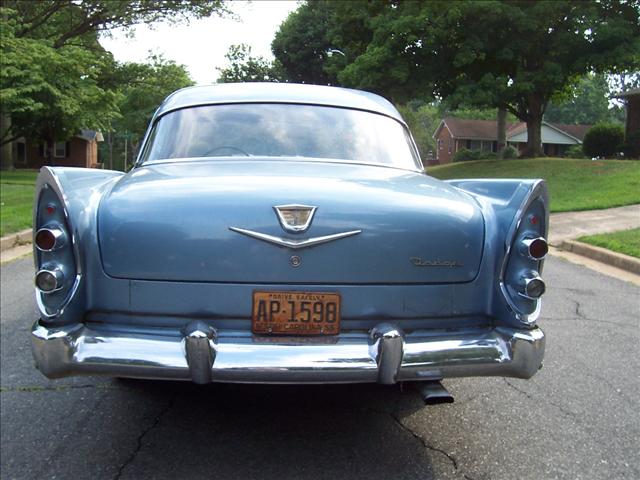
466 155
603 140
575 151
509 152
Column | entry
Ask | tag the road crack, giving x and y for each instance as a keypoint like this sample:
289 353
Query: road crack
563 410
415 435
143 434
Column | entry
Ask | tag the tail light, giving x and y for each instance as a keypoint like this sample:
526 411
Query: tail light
532 286
534 248
50 280
48 239
526 248
55 258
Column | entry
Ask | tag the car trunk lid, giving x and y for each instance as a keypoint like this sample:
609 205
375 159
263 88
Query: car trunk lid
188 221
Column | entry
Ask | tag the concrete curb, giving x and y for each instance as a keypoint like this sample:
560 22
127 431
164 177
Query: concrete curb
619 260
20 238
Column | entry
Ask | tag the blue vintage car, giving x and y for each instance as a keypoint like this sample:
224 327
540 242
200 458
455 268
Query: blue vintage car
280 233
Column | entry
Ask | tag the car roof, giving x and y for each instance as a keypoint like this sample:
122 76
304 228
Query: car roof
276 93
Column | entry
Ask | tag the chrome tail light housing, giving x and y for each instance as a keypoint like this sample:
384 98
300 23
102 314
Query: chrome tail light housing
56 261
533 287
49 280
534 248
50 238
525 249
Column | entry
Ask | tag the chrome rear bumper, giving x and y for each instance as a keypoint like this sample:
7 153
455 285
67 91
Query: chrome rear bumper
202 354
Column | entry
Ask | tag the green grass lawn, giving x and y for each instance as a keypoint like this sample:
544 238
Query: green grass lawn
573 184
626 241
16 200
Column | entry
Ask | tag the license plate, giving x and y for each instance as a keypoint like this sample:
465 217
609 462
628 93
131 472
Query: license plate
296 313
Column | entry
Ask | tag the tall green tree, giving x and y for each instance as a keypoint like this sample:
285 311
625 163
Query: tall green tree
244 67
321 37
586 102
143 86
51 63
301 43
512 54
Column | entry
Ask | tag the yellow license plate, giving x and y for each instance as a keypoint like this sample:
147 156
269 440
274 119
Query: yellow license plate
296 313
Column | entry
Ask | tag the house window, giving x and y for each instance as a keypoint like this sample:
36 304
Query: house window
450 145
475 145
439 144
486 146
60 150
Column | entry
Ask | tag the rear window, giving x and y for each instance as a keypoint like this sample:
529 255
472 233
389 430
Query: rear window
281 130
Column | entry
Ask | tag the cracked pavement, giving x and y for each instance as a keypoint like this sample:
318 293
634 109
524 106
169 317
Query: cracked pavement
577 418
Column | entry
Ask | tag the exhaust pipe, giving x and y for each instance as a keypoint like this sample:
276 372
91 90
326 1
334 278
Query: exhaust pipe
433 393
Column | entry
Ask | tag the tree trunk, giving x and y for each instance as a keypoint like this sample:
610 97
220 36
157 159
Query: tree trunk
536 106
110 143
534 137
6 152
502 131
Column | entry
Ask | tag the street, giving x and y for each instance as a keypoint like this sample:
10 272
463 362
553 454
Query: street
577 418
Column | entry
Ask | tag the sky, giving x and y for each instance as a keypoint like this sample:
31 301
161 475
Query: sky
202 44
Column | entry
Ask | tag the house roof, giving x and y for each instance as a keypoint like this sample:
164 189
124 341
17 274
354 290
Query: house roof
488 129
633 92
471 129
90 135
577 131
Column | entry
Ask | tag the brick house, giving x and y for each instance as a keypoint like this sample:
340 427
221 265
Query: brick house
79 151
454 134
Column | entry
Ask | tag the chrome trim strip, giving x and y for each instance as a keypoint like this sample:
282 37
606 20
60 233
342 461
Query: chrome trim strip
294 243
202 354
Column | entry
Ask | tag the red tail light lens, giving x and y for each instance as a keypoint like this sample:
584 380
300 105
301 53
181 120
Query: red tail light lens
535 248
48 239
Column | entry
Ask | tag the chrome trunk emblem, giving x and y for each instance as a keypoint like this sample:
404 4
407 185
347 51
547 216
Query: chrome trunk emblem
294 243
295 218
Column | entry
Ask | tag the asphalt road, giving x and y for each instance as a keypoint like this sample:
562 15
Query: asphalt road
577 418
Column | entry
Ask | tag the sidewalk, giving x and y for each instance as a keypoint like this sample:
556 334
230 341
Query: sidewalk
566 228
572 225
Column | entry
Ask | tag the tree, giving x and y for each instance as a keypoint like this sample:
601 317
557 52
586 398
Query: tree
322 37
63 21
587 102
49 93
52 63
143 86
243 67
301 44
422 120
511 54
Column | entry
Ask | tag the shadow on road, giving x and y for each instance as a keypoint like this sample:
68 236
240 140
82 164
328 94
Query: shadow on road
249 431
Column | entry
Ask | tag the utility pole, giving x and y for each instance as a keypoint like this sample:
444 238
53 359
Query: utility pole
126 138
